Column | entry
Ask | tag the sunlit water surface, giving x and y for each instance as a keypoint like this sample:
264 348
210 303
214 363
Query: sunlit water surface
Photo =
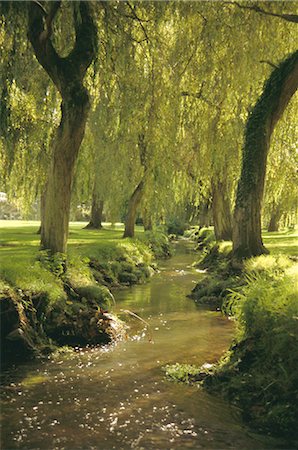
117 397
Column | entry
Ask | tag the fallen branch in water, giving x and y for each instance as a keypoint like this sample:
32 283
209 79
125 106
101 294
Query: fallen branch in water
150 336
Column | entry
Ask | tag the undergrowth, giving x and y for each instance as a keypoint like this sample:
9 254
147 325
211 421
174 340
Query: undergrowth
260 371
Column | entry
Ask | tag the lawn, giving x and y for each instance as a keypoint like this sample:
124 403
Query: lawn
19 246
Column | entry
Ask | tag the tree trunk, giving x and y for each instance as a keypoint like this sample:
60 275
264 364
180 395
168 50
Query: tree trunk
147 220
67 73
275 217
42 210
66 146
133 205
96 213
204 214
278 90
221 209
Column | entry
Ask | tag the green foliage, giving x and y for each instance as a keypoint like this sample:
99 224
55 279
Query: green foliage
267 265
185 373
176 226
192 233
158 242
54 263
260 372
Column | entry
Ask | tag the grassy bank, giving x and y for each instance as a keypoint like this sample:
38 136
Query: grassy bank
259 372
65 299
223 274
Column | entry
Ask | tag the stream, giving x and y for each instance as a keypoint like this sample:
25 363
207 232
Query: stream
117 397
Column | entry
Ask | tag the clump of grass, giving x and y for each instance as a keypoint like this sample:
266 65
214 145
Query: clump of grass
260 372
187 373
267 264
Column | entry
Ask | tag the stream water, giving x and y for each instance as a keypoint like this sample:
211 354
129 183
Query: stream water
118 397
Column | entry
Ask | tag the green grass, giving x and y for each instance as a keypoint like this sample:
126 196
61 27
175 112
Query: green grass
260 371
282 242
19 250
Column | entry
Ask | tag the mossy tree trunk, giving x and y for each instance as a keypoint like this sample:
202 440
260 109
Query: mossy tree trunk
67 73
278 90
204 214
42 209
133 204
221 209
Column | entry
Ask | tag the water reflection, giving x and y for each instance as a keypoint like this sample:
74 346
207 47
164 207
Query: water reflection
116 397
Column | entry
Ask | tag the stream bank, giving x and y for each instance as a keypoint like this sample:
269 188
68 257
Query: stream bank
67 300
259 372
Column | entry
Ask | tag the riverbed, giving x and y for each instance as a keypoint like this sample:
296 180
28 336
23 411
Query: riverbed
117 397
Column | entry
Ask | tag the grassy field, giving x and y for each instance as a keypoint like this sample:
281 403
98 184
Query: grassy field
19 241
19 247
280 242
285 242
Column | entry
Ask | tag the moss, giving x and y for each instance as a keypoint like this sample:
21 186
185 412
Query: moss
187 373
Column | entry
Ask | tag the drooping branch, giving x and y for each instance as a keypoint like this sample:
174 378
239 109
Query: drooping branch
288 17
270 63
50 18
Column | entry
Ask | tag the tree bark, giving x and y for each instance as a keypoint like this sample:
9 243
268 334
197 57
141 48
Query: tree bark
42 210
96 213
278 90
134 203
221 210
275 217
204 214
147 220
137 195
67 73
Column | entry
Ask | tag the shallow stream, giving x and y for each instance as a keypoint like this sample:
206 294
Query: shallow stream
117 397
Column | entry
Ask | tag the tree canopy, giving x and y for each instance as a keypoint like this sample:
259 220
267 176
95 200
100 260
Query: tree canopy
164 91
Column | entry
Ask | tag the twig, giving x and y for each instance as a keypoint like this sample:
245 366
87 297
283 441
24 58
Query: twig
270 63
127 311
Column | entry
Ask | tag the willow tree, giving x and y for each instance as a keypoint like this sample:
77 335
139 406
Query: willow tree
217 91
28 112
67 74
278 91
